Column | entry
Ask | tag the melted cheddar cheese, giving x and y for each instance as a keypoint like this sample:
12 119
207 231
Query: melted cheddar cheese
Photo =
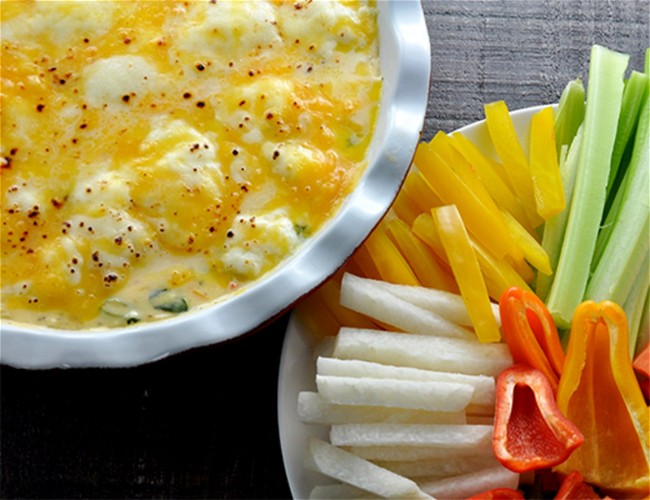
158 156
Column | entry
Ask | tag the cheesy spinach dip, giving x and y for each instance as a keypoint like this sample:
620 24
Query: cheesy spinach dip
157 156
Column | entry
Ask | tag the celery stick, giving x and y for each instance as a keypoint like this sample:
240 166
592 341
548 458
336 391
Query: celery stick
633 97
569 113
643 331
635 303
627 239
554 227
604 96
618 196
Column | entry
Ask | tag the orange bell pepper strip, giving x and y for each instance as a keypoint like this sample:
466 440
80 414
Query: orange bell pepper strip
574 488
498 494
598 391
531 334
530 432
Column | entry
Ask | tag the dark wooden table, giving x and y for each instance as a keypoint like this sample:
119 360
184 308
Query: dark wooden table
203 424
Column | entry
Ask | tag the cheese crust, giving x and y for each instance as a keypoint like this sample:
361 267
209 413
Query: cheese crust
160 156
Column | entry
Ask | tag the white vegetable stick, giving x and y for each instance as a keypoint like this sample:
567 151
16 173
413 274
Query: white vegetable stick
415 453
447 436
443 466
484 386
450 306
314 409
339 491
379 304
471 483
423 351
353 470
434 396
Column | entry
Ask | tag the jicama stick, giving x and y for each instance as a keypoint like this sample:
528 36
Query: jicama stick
339 491
378 303
444 466
415 453
429 395
351 469
483 386
446 304
423 351
314 409
471 483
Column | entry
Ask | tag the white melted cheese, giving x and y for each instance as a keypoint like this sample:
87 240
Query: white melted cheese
118 81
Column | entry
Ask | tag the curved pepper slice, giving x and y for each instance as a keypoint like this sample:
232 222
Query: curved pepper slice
531 334
530 433
498 494
641 365
574 488
598 391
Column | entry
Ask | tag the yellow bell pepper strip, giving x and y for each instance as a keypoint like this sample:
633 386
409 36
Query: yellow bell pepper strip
498 494
507 145
544 166
420 191
389 261
484 223
317 317
362 260
530 432
405 207
499 275
427 268
573 487
531 334
532 249
599 393
487 172
465 266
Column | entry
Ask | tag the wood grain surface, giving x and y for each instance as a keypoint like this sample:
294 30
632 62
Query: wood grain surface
203 424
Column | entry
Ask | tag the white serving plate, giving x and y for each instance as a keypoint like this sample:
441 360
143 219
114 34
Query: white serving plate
298 366
405 64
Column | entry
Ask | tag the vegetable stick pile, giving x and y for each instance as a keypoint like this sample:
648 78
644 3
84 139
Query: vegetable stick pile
524 265
410 412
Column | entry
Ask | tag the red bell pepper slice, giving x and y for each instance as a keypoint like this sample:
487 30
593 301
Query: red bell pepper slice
641 365
574 488
498 494
530 433
531 334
